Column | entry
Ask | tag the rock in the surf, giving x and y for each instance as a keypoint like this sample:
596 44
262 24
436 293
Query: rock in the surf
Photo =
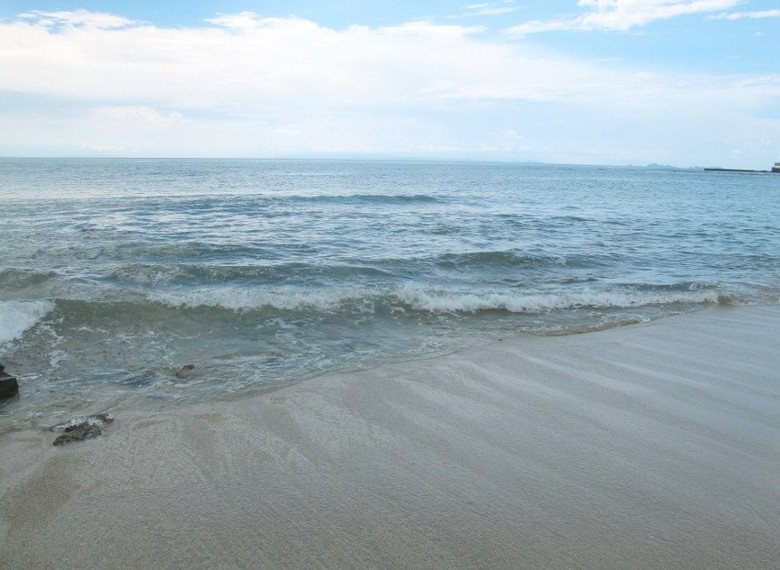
79 429
185 371
9 386
78 434
95 420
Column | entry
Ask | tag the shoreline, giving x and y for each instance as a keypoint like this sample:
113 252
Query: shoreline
649 445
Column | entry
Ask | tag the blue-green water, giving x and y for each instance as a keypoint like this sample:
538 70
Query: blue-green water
115 273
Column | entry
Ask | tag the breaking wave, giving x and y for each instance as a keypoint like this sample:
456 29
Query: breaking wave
418 298
18 316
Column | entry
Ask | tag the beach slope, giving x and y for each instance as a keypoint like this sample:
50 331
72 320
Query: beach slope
646 446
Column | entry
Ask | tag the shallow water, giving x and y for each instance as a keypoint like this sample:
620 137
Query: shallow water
116 273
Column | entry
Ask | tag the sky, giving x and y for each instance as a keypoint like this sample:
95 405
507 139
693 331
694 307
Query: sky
614 82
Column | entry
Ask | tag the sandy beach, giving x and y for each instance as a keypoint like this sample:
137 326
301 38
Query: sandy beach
647 446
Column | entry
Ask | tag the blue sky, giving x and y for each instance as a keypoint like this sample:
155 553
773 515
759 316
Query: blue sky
681 82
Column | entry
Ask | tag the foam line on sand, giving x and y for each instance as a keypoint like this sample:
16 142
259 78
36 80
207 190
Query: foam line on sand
647 446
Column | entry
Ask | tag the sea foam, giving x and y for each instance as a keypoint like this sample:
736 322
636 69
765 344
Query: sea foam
535 302
430 299
18 316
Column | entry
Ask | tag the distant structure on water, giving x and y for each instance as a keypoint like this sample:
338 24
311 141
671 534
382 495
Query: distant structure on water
775 169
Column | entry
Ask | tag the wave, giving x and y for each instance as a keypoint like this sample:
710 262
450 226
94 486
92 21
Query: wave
540 302
257 266
18 316
283 299
232 266
409 298
267 272
20 279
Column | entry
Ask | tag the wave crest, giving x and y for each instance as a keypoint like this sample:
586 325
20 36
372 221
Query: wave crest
422 299
18 316
443 301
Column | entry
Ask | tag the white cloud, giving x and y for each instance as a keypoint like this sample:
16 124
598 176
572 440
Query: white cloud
77 18
491 9
748 15
240 21
246 62
622 15
242 85
140 115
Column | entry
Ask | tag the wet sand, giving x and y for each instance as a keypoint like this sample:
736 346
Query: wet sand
647 446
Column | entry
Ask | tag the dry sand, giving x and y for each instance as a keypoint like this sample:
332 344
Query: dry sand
648 446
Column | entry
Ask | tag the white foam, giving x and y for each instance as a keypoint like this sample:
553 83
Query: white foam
449 301
289 299
18 316
432 300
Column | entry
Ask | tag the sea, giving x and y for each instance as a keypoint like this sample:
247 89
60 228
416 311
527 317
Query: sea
153 283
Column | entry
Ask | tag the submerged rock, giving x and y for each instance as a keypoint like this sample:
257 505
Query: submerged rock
78 434
185 371
95 420
79 429
9 386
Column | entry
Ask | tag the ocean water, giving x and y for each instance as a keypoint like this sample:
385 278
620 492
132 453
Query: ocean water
114 274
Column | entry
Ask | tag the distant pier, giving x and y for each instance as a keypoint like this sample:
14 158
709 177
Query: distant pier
775 169
713 169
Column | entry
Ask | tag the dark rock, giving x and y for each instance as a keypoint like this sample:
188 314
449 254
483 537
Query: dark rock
185 370
78 434
75 424
9 387
79 429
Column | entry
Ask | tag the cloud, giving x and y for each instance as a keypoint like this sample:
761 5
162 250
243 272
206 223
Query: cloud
244 63
77 18
622 15
244 85
245 66
146 116
748 15
491 9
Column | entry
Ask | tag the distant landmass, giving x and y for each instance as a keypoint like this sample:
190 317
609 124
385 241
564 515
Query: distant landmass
656 166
